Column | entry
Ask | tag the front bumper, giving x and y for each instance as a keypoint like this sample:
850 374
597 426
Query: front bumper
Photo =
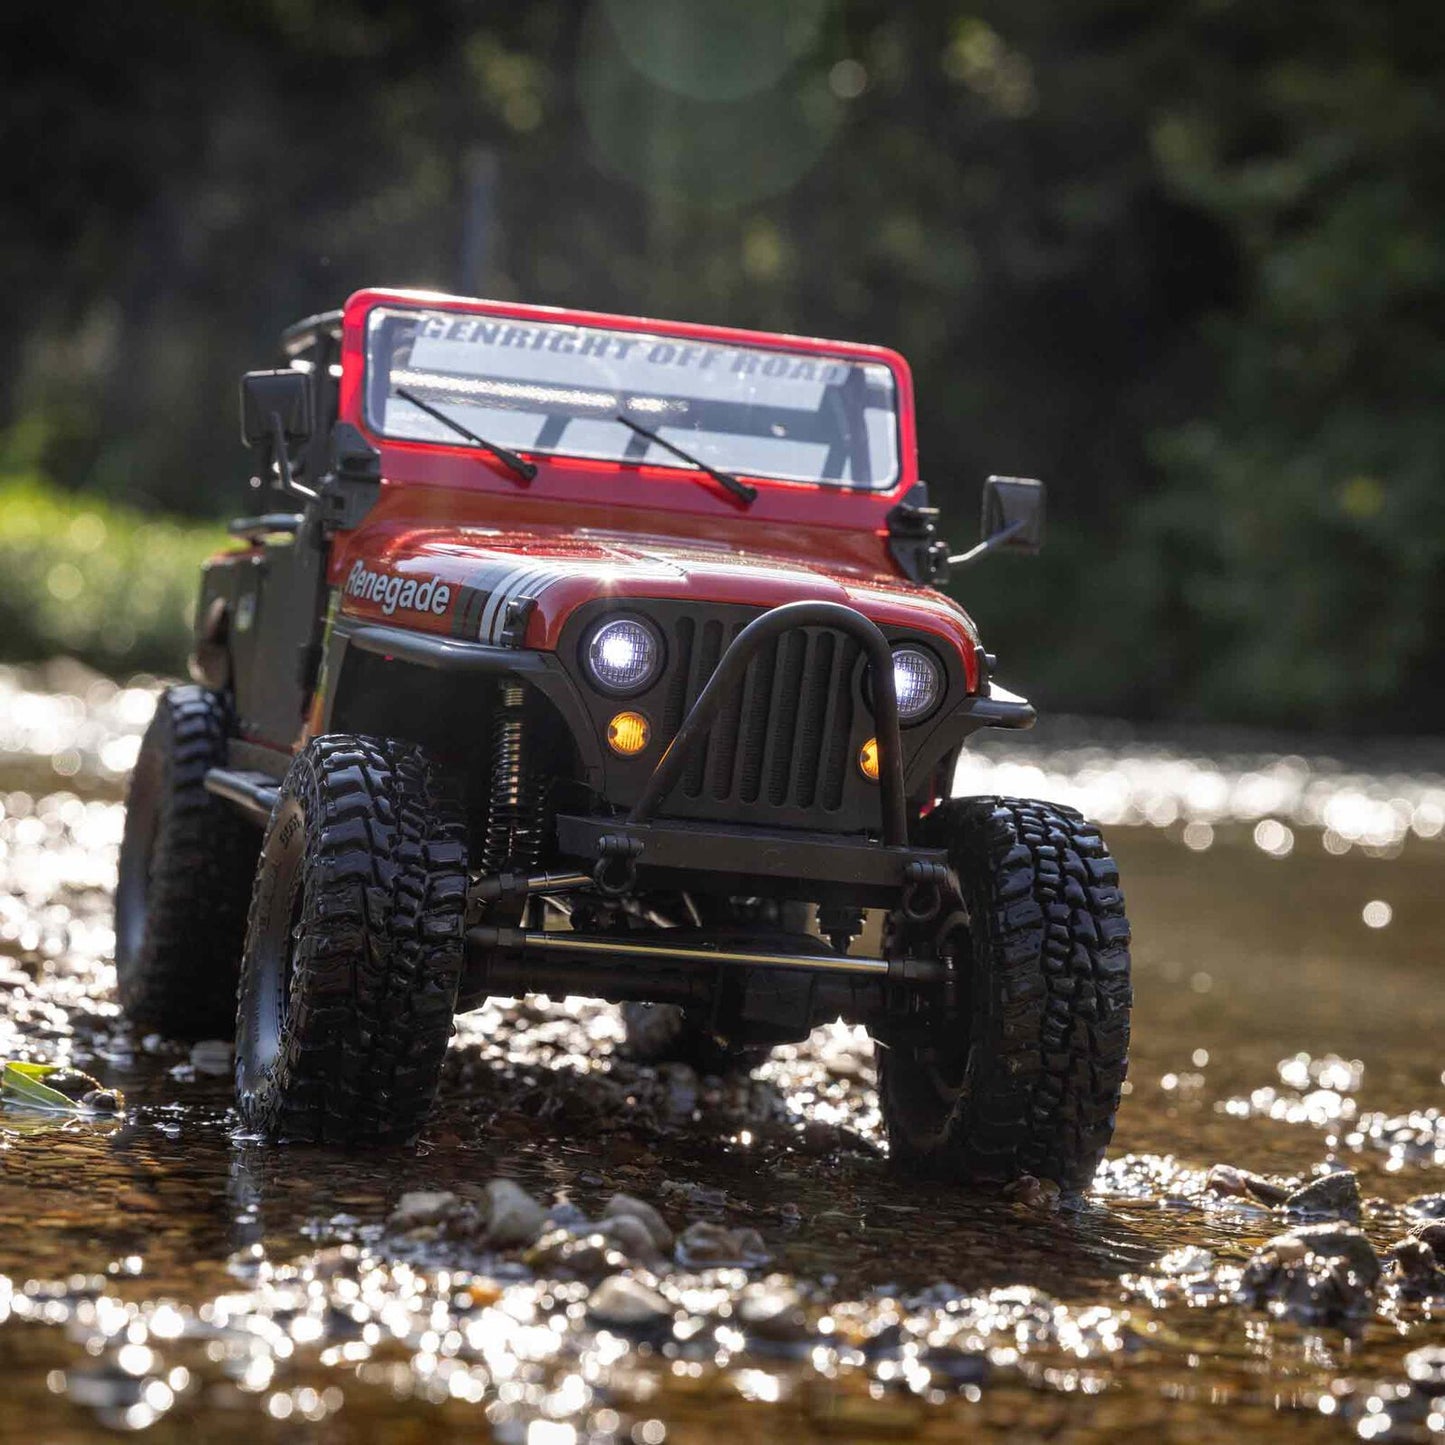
744 861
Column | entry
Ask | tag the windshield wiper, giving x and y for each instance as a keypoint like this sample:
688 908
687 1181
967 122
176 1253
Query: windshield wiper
739 489
518 466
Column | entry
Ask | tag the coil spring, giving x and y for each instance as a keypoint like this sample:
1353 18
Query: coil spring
513 835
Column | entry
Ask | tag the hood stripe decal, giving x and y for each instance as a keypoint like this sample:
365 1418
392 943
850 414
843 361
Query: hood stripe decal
481 610
494 619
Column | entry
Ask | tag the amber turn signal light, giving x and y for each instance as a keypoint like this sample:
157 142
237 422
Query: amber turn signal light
868 760
628 733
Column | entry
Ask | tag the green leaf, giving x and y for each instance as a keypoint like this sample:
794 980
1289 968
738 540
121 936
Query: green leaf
23 1085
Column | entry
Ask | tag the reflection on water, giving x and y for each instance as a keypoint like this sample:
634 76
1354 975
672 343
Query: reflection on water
162 1273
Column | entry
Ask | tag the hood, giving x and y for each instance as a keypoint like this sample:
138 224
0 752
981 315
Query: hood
458 581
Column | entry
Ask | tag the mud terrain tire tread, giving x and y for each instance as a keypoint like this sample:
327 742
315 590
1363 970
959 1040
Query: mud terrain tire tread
1051 997
379 899
177 975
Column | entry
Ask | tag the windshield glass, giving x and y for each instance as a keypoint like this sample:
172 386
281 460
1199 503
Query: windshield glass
550 387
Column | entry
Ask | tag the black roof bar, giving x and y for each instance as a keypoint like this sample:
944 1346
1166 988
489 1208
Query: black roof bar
298 337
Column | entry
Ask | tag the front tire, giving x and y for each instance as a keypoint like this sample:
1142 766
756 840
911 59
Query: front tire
354 950
1024 1074
184 878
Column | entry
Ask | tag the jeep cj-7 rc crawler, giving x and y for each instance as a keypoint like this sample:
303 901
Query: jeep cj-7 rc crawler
604 656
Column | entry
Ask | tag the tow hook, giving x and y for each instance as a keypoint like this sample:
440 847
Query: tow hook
923 887
615 872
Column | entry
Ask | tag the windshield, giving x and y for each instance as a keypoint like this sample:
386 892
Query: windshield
556 388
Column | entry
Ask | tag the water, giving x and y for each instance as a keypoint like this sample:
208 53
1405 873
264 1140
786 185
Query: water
162 1273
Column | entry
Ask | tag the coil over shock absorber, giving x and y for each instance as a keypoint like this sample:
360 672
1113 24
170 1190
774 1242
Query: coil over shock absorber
513 837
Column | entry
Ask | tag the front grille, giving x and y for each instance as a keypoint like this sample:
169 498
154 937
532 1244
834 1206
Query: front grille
785 740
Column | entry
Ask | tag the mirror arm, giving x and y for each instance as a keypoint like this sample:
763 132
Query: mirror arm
962 559
283 460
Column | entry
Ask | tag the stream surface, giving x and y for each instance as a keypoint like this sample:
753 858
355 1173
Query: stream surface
162 1273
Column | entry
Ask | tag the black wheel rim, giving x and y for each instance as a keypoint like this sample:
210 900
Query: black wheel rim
933 1076
137 854
270 962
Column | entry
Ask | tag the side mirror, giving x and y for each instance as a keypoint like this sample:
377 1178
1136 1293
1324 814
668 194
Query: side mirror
275 412
1013 518
270 395
1013 514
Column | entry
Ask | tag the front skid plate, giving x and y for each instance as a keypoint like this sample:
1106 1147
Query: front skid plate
753 852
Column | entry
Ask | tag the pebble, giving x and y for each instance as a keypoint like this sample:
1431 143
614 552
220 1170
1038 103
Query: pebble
73 1083
513 1217
626 1206
623 1303
1414 1269
705 1245
1432 1232
1331 1196
420 1207
1032 1193
1315 1274
705 1196
1227 1182
565 1255
772 1312
632 1236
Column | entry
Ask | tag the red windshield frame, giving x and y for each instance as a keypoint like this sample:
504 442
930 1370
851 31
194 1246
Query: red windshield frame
673 489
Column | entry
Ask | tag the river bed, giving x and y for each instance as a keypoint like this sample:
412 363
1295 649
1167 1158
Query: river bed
161 1273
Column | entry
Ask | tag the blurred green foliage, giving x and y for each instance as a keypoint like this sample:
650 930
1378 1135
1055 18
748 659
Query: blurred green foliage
1183 259
94 580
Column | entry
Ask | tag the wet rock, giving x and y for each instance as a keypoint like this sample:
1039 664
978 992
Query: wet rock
419 1208
102 1101
566 1215
1032 1193
632 1237
773 1313
564 1255
704 1196
626 1304
705 1245
1415 1270
1331 1196
1432 1232
652 1030
1427 1206
1227 1182
625 1206
73 1083
513 1218
1316 1274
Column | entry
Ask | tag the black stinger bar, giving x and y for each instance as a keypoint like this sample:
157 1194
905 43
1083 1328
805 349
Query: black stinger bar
728 677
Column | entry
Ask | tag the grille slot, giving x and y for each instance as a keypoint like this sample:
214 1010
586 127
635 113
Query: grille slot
783 741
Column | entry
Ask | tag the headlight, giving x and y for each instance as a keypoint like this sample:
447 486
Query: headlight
622 656
918 681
